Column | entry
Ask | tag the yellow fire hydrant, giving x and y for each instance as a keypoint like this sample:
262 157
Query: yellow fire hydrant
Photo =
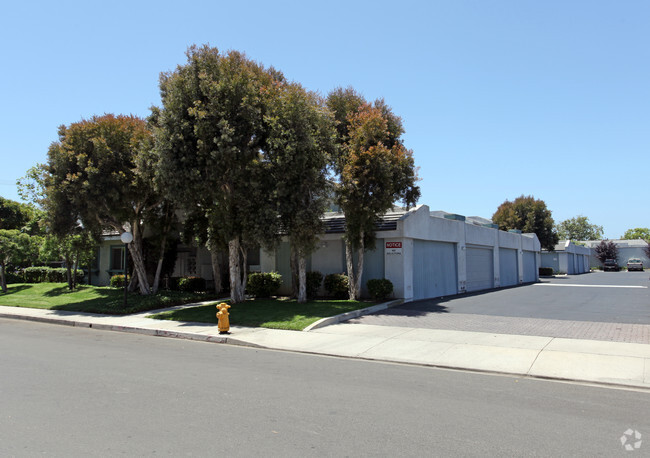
222 316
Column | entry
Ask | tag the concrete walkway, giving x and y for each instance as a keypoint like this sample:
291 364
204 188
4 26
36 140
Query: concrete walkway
601 362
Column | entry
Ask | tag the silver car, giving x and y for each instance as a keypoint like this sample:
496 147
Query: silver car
634 264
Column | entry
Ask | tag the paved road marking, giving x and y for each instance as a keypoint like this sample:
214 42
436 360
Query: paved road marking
592 286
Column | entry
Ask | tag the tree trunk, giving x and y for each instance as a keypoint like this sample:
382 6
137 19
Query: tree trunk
3 280
135 250
161 258
74 274
354 276
359 273
302 280
216 270
237 287
68 270
294 262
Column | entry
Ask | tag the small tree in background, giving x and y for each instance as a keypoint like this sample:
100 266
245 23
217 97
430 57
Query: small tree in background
579 228
606 250
528 214
642 233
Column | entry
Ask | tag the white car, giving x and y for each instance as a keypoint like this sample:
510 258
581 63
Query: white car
634 264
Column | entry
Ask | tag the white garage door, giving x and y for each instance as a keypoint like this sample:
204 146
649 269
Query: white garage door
530 266
508 267
434 269
480 268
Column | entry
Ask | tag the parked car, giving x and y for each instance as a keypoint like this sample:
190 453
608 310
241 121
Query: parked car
611 264
634 264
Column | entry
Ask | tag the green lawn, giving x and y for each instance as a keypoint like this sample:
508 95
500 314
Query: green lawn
267 313
92 299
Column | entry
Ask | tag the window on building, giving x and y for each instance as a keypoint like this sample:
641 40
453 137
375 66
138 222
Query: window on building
117 258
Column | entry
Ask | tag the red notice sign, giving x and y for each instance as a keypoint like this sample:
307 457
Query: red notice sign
393 248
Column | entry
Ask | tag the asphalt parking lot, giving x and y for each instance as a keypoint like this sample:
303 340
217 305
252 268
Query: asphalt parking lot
597 305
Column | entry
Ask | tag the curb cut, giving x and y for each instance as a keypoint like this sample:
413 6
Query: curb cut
353 314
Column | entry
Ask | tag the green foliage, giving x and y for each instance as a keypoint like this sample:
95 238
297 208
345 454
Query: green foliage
606 250
263 284
191 284
18 216
100 172
14 277
529 215
117 281
210 135
16 249
379 288
579 228
642 233
377 170
48 275
336 285
545 271
314 282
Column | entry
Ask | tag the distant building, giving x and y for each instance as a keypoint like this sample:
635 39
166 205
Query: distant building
567 258
626 249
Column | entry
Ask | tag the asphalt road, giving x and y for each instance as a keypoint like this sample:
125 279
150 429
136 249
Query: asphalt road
80 392
609 297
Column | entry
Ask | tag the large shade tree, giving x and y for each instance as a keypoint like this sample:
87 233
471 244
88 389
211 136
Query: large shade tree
642 233
300 143
579 228
209 138
528 215
375 171
99 174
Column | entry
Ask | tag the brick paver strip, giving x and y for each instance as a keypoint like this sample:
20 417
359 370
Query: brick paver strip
613 332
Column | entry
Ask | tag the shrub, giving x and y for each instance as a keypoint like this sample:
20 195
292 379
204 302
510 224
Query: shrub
117 281
314 280
336 285
191 284
545 271
263 284
379 288
49 274
35 274
14 277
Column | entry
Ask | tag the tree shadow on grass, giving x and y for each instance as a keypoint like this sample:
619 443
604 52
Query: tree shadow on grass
13 289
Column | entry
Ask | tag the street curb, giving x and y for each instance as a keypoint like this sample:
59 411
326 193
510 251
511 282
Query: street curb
353 314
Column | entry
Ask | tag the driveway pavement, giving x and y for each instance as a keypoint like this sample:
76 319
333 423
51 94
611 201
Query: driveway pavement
610 306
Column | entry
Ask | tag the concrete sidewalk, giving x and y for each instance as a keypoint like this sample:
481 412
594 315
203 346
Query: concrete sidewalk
611 363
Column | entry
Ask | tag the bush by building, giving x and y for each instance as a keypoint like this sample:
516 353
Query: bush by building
336 285
263 284
379 288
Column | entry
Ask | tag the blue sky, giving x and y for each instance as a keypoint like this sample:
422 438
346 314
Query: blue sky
498 98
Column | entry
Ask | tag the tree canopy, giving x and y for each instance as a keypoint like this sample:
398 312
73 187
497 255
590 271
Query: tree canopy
100 173
528 215
375 171
579 228
642 233
300 145
209 137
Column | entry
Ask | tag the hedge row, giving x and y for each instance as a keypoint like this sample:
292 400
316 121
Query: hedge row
43 275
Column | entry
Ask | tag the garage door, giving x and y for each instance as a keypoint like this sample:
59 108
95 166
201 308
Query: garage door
480 268
570 264
529 260
434 269
508 269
